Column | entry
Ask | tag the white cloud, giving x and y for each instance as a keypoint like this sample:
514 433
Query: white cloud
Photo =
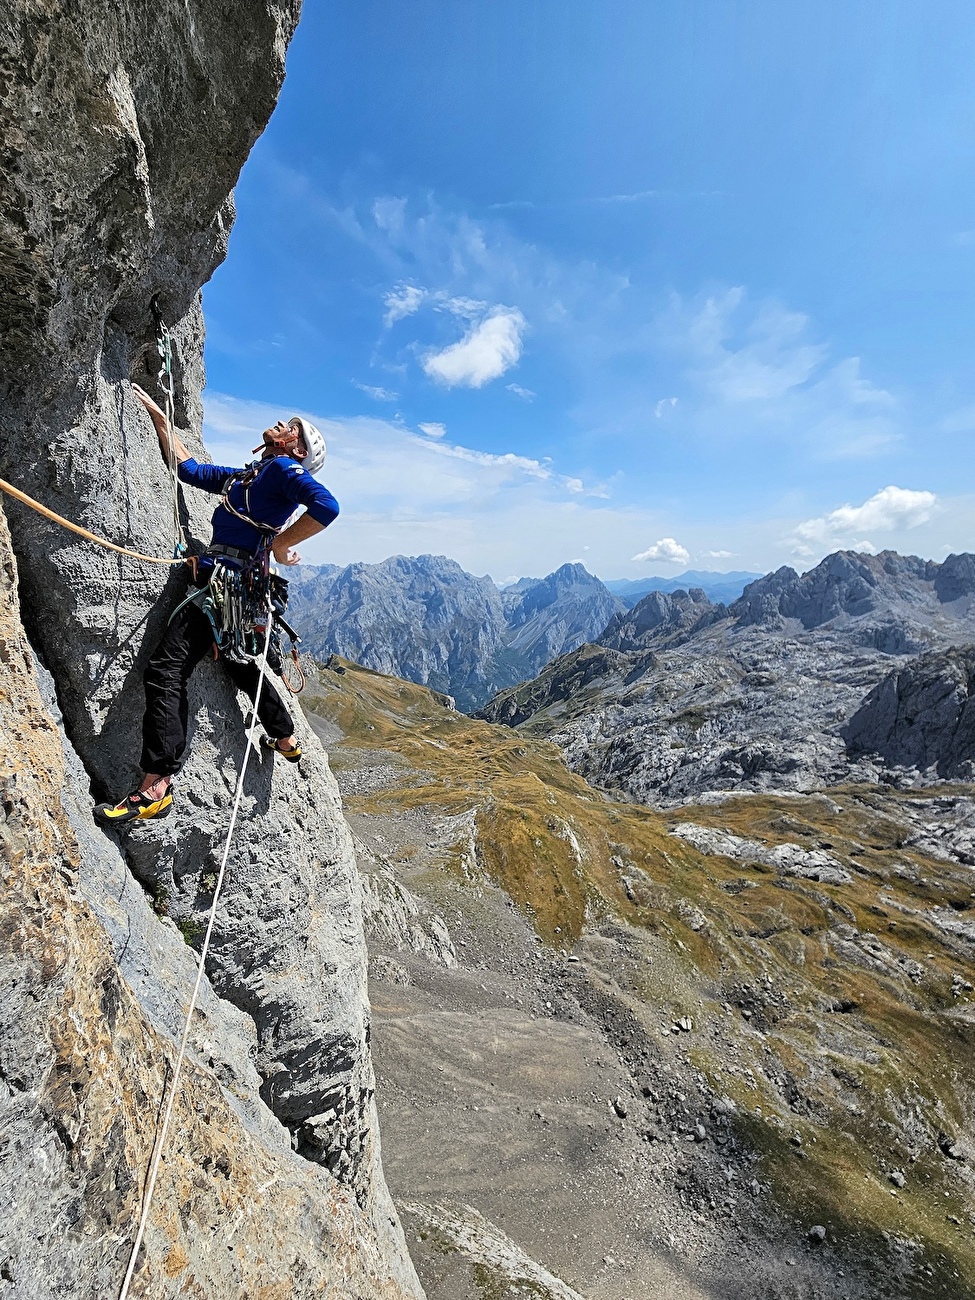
663 406
719 555
375 392
666 550
888 511
433 430
403 301
534 468
771 359
485 352
525 394
641 196
638 196
758 373
389 214
468 308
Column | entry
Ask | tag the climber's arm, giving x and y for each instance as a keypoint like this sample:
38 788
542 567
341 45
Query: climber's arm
158 417
304 527
303 489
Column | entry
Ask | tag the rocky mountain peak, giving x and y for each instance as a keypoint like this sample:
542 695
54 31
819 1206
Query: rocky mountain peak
955 578
658 615
425 618
844 584
698 697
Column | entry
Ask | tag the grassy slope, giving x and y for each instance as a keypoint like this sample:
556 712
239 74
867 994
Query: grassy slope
855 1039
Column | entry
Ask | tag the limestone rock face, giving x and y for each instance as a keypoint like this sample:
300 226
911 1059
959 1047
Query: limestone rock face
922 716
124 131
92 993
844 583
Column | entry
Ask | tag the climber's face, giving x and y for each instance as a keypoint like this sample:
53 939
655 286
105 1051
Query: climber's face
279 438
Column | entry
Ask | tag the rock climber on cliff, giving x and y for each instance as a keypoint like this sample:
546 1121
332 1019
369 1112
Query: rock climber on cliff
256 504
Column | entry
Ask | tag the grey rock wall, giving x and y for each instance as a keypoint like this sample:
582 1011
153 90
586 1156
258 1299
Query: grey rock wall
93 990
124 129
921 716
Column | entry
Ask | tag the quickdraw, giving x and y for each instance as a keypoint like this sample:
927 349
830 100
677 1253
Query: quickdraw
164 346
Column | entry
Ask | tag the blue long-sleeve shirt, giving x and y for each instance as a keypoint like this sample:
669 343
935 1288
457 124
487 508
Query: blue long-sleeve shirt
282 485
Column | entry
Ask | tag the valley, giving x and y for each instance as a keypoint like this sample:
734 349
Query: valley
638 1052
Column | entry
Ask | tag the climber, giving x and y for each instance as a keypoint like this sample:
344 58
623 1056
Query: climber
257 502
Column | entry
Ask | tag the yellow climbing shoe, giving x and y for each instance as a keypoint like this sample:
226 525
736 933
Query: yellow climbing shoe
292 755
134 807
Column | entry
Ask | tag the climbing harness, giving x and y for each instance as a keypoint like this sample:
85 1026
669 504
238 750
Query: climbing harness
82 532
240 603
204 951
164 346
238 596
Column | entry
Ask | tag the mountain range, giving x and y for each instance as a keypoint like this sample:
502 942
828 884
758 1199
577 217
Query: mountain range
716 586
851 671
426 619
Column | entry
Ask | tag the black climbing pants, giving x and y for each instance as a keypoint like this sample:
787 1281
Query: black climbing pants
187 639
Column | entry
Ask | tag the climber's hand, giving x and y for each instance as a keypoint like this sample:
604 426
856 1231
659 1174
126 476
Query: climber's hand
285 554
151 406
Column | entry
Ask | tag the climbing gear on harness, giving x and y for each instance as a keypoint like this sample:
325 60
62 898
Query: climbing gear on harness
164 346
82 532
137 806
240 602
160 1144
292 755
289 666
291 671
285 444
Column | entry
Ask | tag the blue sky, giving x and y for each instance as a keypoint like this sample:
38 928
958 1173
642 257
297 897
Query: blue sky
650 286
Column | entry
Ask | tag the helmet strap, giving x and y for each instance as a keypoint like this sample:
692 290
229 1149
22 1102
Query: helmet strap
285 444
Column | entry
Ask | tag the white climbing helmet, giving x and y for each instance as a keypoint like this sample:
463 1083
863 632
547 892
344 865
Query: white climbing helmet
314 442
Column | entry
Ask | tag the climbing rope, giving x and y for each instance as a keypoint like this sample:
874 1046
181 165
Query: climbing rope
204 950
82 532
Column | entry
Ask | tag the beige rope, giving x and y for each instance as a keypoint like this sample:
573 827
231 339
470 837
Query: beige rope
76 528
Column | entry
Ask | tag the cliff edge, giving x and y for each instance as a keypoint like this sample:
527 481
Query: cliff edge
124 131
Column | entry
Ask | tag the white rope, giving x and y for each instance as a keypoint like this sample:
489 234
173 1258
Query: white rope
161 1142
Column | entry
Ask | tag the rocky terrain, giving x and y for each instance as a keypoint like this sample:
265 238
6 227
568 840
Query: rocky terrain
424 618
698 1054
843 673
921 716
124 131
